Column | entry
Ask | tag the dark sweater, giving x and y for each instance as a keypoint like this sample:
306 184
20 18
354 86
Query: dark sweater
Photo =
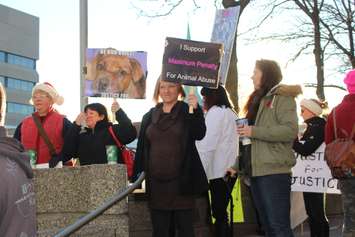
192 178
89 145
312 138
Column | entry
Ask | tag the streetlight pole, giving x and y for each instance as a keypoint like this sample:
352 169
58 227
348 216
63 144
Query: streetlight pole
83 24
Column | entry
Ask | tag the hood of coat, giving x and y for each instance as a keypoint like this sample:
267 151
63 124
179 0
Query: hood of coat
285 90
12 149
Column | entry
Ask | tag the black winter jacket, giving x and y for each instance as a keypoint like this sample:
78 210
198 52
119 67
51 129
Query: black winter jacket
89 145
312 138
192 178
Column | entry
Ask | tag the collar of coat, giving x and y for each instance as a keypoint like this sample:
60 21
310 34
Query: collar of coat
285 90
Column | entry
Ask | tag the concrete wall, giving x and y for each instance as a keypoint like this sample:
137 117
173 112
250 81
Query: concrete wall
63 195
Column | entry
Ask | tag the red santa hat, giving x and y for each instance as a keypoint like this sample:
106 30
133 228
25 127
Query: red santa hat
53 93
349 81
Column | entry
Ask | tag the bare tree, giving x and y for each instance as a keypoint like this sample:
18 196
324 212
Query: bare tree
312 9
339 23
232 76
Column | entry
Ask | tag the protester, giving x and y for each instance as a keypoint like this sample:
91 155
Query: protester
306 145
89 138
218 151
55 126
273 125
17 197
167 153
345 120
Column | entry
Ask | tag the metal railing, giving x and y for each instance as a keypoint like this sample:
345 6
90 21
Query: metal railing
101 209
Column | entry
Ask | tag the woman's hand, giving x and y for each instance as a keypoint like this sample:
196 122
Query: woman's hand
244 131
192 100
80 119
231 172
115 106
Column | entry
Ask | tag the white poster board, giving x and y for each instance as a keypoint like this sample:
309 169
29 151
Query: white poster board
311 174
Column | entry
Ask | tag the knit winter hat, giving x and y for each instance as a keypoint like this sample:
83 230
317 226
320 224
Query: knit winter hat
349 81
53 93
312 106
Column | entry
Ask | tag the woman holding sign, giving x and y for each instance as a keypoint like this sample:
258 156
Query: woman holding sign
167 153
310 141
273 126
90 139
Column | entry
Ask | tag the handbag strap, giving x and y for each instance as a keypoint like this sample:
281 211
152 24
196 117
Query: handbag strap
335 124
115 138
43 134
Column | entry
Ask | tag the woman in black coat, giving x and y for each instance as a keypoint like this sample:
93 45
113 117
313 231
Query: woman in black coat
89 137
311 139
166 151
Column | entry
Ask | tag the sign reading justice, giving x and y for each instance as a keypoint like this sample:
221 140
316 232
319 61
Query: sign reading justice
191 62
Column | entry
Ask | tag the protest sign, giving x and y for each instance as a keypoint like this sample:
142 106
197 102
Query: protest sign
117 74
311 174
224 31
191 63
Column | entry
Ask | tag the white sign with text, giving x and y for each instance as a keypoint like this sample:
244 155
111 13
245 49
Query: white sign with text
311 174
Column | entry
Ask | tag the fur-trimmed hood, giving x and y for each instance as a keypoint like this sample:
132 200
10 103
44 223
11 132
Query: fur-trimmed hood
285 90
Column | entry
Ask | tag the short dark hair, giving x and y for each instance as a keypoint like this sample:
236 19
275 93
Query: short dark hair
218 96
99 108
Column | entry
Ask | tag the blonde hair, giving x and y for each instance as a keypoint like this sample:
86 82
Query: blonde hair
2 105
156 97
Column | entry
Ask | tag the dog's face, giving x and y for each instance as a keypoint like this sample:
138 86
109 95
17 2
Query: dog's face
117 74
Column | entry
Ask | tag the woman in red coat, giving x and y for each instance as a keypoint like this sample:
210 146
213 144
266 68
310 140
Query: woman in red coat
345 121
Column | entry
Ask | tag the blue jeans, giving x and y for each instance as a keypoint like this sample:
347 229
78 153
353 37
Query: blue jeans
347 188
271 194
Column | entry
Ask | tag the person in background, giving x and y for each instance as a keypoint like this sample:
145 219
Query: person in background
89 137
345 120
17 197
273 126
312 138
55 125
166 152
218 151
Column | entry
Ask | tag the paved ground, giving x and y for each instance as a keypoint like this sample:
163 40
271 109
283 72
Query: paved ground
302 230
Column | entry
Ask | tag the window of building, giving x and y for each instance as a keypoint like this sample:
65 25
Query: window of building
17 84
21 61
2 80
19 108
2 56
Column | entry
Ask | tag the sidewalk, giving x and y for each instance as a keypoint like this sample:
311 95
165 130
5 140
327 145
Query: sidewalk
335 223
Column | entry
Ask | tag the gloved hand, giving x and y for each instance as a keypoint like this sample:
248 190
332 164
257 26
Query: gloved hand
54 161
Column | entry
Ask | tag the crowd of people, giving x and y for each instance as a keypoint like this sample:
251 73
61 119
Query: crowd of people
185 154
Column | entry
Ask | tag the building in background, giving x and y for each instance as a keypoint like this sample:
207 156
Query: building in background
19 51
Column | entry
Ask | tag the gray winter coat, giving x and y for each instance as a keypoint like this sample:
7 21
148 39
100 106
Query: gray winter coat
17 196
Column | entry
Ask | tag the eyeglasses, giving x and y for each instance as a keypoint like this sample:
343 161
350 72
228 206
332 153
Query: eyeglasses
39 97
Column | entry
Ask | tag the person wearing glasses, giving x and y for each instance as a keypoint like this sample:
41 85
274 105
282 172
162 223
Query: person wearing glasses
167 153
307 144
54 124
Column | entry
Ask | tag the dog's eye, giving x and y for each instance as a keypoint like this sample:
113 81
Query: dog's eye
122 73
100 66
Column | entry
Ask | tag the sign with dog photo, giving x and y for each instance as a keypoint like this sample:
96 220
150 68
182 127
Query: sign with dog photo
192 63
113 73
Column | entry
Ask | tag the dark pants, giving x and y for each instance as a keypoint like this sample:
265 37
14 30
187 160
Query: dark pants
318 223
271 194
165 222
220 192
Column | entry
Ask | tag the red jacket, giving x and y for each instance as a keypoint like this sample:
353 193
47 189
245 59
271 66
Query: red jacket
30 138
345 119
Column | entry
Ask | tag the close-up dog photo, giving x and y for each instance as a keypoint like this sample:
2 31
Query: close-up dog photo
116 75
